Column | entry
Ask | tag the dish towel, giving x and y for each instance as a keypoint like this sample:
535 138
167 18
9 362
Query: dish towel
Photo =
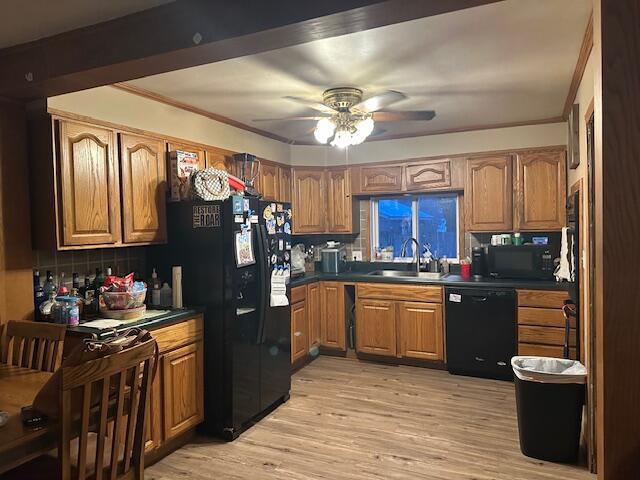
211 184
563 272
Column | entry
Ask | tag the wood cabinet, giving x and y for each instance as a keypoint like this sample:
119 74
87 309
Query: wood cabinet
381 179
540 191
284 182
541 324
220 159
339 201
89 184
143 189
309 211
420 330
428 175
404 321
314 313
269 181
332 324
299 328
154 414
376 327
191 148
488 194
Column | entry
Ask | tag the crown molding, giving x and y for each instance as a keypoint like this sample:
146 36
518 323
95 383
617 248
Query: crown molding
581 64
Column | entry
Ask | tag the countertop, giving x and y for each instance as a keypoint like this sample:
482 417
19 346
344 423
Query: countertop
450 280
163 320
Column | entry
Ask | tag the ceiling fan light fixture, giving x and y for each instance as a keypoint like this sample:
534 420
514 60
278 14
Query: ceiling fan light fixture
324 130
363 130
342 138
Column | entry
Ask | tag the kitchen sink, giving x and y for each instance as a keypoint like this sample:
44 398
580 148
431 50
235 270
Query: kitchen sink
410 274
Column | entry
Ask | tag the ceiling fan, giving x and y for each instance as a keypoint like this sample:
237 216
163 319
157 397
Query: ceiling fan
347 119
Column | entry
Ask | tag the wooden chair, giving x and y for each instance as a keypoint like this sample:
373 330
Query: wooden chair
35 345
102 414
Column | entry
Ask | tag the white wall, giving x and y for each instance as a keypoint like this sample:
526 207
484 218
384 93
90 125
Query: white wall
117 106
434 145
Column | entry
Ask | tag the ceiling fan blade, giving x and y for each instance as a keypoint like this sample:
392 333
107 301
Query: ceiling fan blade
379 101
386 116
286 119
321 107
378 131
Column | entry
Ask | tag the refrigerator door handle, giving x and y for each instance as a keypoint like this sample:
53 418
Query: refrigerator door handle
264 281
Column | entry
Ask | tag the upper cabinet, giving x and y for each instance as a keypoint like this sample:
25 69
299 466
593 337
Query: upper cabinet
339 204
269 181
143 189
284 181
220 159
380 179
540 190
309 211
488 194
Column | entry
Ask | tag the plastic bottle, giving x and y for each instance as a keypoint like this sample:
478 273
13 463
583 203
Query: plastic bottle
166 295
155 289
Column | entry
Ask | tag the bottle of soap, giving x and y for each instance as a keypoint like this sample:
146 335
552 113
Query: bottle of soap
166 295
155 289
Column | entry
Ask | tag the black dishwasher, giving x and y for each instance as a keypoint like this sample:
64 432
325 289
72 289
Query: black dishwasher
481 331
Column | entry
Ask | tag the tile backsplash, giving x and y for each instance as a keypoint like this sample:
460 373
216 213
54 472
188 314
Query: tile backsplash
121 260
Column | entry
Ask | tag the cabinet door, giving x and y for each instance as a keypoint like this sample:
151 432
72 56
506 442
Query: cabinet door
376 327
540 191
143 189
192 148
381 179
153 414
313 314
420 330
89 185
299 326
339 201
182 372
332 324
488 194
220 159
284 181
309 210
269 182
428 175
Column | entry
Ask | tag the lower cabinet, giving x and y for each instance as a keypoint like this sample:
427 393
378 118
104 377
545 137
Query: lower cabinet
376 327
388 325
420 330
299 341
332 323
313 316
176 402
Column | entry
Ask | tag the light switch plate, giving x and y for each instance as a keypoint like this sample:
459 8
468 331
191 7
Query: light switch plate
357 255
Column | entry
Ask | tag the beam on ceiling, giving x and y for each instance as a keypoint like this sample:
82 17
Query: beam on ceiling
187 33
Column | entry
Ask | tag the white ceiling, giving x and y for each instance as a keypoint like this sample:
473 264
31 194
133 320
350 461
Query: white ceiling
505 62
27 20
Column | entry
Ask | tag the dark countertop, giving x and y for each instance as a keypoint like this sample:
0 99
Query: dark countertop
175 316
448 281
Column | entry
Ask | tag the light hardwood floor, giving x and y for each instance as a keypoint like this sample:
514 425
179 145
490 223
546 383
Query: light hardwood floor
355 420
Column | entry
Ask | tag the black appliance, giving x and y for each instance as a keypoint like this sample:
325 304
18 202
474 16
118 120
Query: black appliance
529 261
481 331
227 250
478 262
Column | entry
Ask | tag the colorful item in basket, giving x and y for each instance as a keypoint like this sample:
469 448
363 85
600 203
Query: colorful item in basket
123 293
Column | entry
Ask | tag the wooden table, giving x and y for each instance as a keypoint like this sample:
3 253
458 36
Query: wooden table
18 388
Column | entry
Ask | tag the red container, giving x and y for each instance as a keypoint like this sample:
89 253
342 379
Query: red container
465 270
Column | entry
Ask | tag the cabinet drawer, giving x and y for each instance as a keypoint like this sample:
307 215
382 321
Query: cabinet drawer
414 293
183 333
545 317
543 350
544 335
298 294
542 298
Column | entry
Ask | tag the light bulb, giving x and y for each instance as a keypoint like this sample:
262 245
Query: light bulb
363 130
324 129
342 138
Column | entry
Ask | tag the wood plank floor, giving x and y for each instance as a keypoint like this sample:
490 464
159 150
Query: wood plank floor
355 420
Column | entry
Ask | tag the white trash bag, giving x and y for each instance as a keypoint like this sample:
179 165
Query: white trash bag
548 370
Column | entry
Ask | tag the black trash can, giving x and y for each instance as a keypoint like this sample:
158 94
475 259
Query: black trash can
550 395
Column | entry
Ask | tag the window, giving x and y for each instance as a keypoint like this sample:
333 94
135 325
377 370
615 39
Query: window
429 218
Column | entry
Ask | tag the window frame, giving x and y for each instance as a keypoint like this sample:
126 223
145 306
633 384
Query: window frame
374 228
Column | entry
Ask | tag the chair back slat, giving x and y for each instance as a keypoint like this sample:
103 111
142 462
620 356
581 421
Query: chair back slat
34 345
109 394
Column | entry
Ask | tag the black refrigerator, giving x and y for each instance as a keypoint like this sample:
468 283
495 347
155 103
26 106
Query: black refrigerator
228 251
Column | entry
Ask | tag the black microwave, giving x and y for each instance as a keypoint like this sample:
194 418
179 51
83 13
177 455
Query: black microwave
533 262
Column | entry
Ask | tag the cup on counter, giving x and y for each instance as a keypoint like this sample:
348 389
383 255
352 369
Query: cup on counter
465 270
517 239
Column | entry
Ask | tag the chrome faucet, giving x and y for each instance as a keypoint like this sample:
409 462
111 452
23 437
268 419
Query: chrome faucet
416 251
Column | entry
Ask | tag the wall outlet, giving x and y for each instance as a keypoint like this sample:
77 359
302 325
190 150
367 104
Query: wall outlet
357 255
